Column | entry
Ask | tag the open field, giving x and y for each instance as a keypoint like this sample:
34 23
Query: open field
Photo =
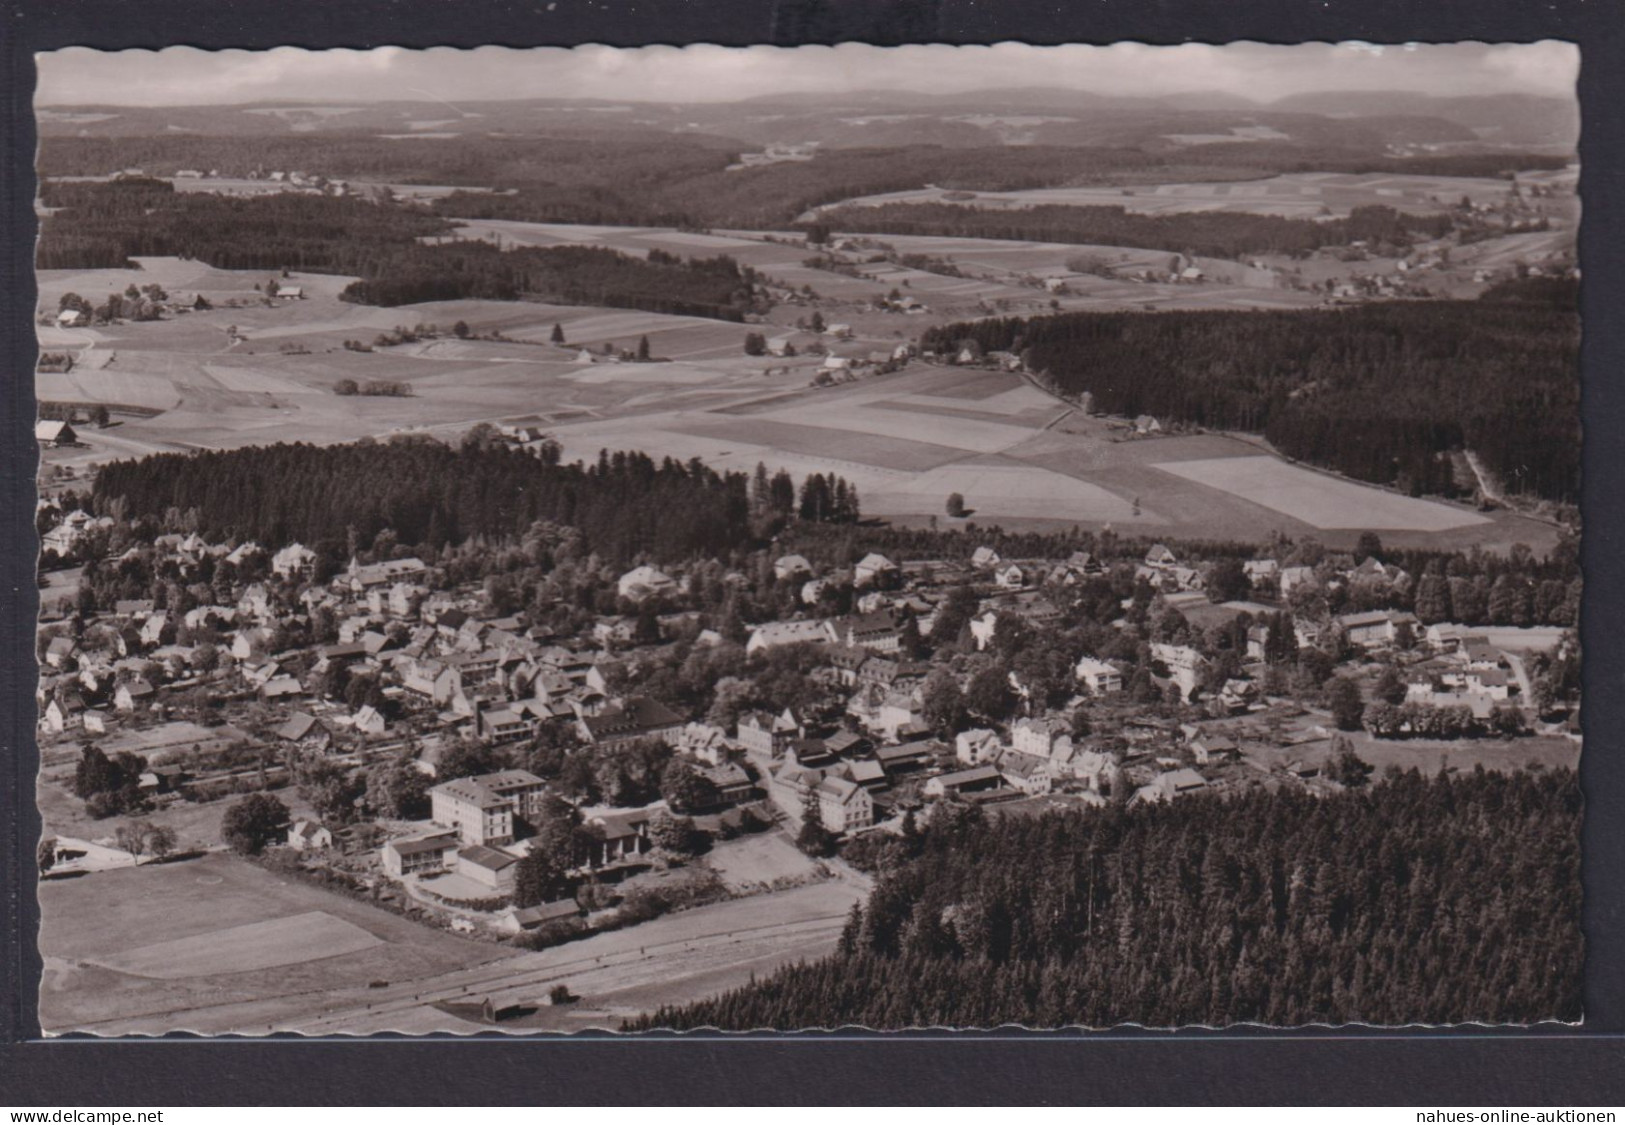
1323 501
906 440
680 957
757 860
1304 195
291 940
163 946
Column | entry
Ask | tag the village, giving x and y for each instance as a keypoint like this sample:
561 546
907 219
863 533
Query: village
418 739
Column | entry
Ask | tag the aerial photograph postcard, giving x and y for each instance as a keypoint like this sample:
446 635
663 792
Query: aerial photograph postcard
781 538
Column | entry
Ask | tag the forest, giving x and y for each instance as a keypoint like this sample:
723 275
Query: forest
1213 234
103 225
1394 903
1381 392
644 178
430 495
573 275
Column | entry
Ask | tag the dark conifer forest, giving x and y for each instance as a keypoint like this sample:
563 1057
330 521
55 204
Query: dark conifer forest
1215 234
1416 900
1380 392
431 495
645 178
104 225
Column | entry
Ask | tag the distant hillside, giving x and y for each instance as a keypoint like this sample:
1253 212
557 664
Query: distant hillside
876 118
1511 119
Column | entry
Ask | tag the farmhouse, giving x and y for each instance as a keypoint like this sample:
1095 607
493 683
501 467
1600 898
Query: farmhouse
53 432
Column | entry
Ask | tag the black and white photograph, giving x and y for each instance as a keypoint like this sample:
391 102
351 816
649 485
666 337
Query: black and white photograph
649 539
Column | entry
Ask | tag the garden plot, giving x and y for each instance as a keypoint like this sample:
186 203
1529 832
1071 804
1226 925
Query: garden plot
1320 500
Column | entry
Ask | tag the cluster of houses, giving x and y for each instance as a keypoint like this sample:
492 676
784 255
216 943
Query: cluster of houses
448 668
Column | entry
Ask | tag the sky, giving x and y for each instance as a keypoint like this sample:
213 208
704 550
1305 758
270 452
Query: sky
1264 72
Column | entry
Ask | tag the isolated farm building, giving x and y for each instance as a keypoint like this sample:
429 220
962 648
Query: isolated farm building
290 292
639 717
790 567
52 431
69 318
874 570
309 836
781 345
644 582
420 856
840 330
1146 424
1099 677
837 363
1055 284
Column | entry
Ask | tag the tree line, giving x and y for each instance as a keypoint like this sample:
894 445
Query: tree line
643 178
103 225
1382 392
1214 234
1386 904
